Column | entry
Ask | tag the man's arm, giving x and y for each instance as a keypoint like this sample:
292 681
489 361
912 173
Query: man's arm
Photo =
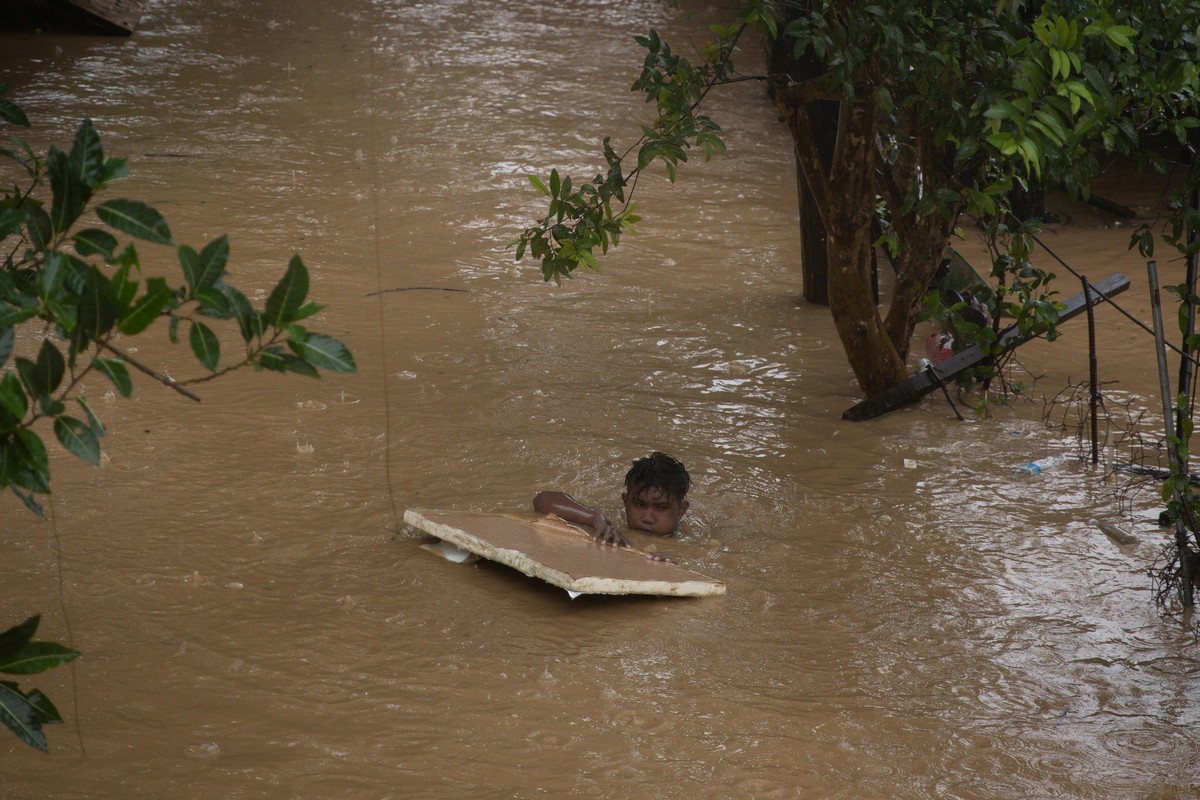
574 511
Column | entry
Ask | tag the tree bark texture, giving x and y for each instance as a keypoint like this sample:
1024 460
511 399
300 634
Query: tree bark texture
845 197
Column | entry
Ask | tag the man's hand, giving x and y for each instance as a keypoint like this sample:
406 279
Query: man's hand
570 509
604 532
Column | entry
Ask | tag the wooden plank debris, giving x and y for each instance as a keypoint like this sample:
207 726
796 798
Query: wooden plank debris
924 382
552 550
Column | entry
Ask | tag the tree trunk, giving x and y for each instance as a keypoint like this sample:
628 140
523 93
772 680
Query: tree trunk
823 115
924 241
845 196
850 211
813 244
922 237
823 120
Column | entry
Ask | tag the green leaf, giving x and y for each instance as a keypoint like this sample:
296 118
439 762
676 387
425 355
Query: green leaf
8 339
87 157
77 438
128 257
37 376
324 352
307 310
50 368
202 270
213 259
272 358
205 345
69 191
30 467
288 295
27 159
136 219
41 229
114 170
8 462
299 366
117 373
37 657
20 717
11 317
212 302
11 112
13 402
249 321
11 220
148 307
883 100
50 406
44 711
94 424
78 275
53 272
1121 36
65 314
25 497
123 288
98 306
13 640
277 360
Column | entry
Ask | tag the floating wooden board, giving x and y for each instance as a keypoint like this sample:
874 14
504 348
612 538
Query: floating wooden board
926 381
561 554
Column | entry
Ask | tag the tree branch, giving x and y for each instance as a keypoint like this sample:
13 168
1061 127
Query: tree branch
165 380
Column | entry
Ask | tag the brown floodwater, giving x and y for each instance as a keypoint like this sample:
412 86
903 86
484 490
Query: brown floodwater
905 617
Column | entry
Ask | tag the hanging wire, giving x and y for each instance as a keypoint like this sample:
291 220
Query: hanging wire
62 604
375 191
1115 304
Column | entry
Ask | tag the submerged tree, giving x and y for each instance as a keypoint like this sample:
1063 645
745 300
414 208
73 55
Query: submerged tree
942 108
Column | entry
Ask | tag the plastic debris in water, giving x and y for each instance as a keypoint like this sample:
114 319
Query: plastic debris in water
1039 466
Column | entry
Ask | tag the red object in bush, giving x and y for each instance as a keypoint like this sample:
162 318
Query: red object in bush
939 347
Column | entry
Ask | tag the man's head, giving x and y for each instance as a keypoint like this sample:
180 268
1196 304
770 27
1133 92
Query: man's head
655 494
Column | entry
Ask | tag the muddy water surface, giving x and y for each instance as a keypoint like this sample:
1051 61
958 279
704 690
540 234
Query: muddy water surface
258 623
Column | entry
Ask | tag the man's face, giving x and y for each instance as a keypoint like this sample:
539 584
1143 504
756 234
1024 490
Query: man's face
650 510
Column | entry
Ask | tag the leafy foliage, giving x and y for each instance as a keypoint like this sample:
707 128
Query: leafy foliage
963 101
1018 298
1179 491
68 283
582 217
25 712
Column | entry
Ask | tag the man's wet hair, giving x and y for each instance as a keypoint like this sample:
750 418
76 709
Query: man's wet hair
658 471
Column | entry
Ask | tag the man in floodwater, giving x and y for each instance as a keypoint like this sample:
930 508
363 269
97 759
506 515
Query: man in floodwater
655 499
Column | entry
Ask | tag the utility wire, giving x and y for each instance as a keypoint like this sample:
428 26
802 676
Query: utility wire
62 604
375 190
1114 303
